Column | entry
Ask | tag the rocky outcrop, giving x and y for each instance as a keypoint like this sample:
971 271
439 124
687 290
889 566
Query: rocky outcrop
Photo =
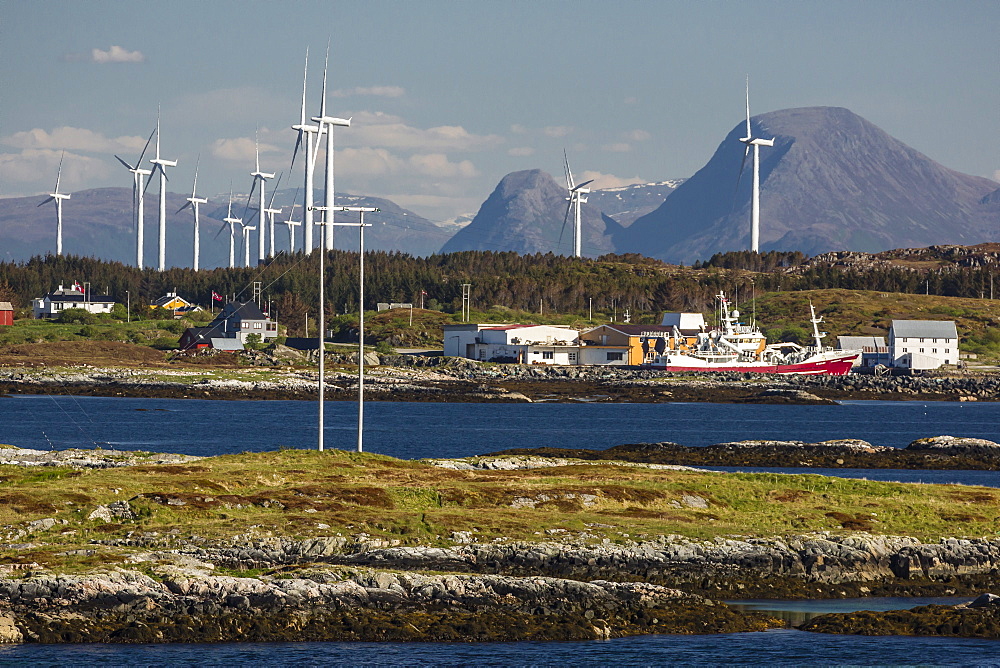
978 619
127 606
87 459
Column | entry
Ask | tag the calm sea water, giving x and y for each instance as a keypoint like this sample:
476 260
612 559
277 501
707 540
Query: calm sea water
410 430
773 648
417 430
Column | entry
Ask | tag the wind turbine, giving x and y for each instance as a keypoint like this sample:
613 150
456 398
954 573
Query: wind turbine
262 177
270 217
57 197
247 229
158 165
576 196
291 225
750 140
327 123
137 202
193 201
232 222
307 131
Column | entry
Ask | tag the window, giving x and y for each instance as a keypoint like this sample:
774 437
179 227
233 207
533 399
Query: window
921 350
258 325
616 357
933 350
572 357
547 355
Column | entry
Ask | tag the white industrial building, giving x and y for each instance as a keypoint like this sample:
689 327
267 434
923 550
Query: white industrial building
923 344
522 344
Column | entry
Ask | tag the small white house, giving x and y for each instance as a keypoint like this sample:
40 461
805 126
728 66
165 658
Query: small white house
923 344
522 344
59 300
688 324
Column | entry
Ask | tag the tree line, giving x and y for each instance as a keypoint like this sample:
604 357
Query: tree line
544 283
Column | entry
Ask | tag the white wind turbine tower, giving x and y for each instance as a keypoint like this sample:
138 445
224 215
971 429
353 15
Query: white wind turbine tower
194 201
310 166
576 196
138 190
57 197
158 165
262 177
749 140
327 123
232 222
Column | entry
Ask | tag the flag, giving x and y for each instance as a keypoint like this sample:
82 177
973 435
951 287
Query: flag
423 292
216 296
77 286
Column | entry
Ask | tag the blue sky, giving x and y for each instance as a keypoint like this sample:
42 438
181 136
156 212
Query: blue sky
447 97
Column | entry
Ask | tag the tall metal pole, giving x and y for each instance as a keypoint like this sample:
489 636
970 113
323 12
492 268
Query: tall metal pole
361 337
322 324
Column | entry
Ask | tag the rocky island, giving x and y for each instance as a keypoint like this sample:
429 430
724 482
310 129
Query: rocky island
101 546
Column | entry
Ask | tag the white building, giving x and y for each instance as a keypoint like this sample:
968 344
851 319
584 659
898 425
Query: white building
522 344
58 301
923 344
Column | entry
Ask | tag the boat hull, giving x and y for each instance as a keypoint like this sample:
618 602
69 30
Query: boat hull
832 366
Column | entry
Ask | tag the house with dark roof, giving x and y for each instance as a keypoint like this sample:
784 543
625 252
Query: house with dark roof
231 328
57 301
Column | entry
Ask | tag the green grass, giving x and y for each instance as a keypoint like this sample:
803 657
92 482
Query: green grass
293 492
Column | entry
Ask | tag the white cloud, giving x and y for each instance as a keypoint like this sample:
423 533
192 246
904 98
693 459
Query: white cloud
557 130
116 54
240 149
375 91
438 165
521 151
399 135
996 175
637 135
368 162
73 139
617 147
518 129
609 180
40 165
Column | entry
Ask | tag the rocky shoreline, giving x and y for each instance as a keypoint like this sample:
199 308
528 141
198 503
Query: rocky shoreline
414 378
935 453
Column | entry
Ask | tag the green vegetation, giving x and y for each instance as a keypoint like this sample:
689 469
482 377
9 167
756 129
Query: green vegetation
296 492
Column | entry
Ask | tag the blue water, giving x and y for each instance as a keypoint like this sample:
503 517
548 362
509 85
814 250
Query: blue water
418 430
773 648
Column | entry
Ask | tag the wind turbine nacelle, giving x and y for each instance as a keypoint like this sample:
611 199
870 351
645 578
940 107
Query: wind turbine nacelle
164 163
762 142
302 127
198 200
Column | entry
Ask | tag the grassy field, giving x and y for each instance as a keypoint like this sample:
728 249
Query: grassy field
299 493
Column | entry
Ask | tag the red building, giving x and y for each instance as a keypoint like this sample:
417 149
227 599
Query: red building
6 313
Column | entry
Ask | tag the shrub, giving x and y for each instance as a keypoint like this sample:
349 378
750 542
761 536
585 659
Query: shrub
76 316
253 342
89 331
384 348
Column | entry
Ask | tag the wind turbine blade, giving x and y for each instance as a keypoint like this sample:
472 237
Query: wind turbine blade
59 173
295 152
256 148
47 200
322 102
569 172
186 205
739 178
194 188
127 166
305 78
274 191
565 218
748 108
219 231
139 161
582 184
294 200
148 181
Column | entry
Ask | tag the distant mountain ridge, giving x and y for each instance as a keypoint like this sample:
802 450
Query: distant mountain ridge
98 223
832 181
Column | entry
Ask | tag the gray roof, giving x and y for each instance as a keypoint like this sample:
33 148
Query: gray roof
935 329
227 344
856 342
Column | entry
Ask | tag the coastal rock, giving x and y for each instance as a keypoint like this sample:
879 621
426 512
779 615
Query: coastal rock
956 445
9 633
117 511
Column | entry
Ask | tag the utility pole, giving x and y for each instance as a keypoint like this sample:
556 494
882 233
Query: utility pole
466 301
128 307
591 316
